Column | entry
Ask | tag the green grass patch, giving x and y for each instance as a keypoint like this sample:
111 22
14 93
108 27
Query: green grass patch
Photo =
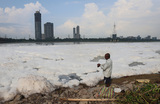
141 94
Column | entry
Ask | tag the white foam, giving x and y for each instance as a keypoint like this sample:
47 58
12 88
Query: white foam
32 68
34 84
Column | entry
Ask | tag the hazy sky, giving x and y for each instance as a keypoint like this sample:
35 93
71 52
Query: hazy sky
95 17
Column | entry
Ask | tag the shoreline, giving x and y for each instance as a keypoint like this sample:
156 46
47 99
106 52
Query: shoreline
81 91
153 77
75 42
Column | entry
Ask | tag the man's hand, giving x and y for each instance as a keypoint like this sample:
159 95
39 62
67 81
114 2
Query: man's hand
98 65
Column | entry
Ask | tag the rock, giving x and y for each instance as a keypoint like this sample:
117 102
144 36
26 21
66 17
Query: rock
117 90
123 88
69 93
114 85
48 102
83 102
78 87
83 92
122 91
97 85
12 102
36 98
18 97
93 91
72 103
85 96
55 95
132 82
125 82
130 86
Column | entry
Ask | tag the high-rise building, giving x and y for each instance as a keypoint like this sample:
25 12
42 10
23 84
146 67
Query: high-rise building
114 36
38 32
76 33
148 37
48 30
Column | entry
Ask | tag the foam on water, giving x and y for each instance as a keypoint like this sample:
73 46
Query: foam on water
32 68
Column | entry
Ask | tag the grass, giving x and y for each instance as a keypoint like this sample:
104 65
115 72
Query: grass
141 94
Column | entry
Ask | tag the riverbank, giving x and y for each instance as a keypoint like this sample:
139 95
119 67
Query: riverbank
82 91
10 40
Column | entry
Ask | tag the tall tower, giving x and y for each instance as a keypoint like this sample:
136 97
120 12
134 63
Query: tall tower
48 30
114 35
38 32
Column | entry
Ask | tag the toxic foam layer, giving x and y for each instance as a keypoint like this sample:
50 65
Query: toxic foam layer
34 84
32 68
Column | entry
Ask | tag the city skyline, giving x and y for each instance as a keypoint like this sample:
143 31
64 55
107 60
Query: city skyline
95 17
48 28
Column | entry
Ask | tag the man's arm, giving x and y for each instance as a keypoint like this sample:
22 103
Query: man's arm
104 66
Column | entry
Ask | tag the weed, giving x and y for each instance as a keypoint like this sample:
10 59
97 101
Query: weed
144 94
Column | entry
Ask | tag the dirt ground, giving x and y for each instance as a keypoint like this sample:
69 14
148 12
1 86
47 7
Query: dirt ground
154 78
81 91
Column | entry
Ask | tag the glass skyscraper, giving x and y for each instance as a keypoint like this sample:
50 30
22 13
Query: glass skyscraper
38 31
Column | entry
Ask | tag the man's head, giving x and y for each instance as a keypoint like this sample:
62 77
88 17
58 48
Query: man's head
107 56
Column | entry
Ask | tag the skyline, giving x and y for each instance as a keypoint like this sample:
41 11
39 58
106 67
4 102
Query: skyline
95 17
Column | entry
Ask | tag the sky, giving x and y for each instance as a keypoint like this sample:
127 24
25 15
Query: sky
95 17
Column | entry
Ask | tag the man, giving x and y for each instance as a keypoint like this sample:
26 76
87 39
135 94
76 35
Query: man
107 69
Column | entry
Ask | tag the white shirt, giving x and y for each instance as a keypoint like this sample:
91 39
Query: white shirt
107 68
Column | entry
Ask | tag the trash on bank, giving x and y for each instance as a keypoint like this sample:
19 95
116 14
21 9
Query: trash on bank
143 80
